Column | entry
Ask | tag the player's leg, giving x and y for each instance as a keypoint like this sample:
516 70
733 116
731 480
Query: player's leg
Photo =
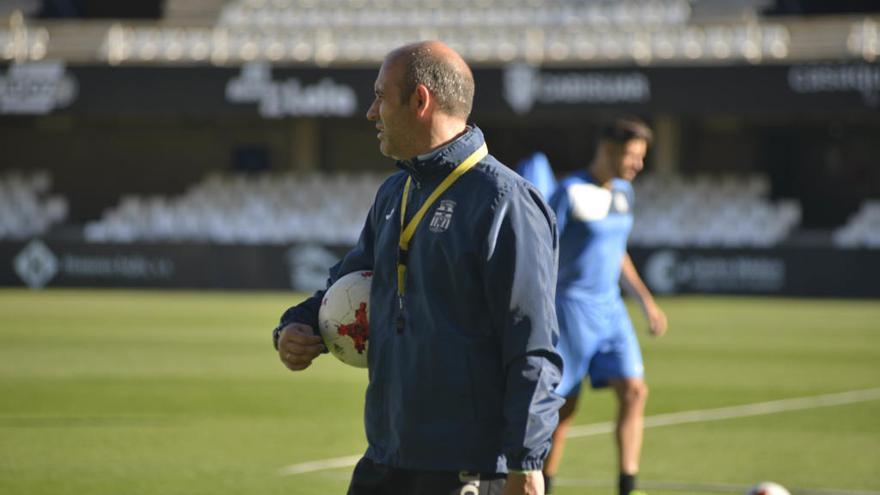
554 457
632 393
577 344
619 364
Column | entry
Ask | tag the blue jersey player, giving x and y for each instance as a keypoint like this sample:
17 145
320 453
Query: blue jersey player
594 214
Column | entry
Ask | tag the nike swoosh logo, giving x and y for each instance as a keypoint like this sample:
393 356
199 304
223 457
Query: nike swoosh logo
388 216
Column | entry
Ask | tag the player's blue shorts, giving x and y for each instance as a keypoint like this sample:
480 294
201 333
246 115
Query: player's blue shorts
596 338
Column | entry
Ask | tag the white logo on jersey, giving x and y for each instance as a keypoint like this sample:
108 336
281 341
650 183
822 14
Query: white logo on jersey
621 204
442 216
589 202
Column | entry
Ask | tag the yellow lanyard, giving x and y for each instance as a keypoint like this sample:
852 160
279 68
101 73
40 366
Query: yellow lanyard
406 233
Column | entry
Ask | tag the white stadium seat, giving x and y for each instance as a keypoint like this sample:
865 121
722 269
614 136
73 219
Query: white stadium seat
709 211
268 209
862 230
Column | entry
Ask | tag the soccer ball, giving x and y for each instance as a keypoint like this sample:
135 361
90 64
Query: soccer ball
342 318
767 488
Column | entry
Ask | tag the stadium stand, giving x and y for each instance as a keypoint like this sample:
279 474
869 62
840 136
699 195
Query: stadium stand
367 13
862 229
26 207
239 209
278 209
362 31
710 212
343 32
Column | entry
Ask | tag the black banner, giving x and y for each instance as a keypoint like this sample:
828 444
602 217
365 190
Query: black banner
792 271
75 264
518 89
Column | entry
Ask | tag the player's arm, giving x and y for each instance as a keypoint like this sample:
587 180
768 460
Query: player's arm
296 337
560 204
520 289
634 286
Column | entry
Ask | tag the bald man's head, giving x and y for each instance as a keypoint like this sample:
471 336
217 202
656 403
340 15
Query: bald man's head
440 69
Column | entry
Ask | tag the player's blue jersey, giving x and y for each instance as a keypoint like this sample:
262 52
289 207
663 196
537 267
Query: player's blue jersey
536 169
593 224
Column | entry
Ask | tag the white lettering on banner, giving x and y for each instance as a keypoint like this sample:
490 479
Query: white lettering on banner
595 88
307 265
132 267
667 271
36 88
525 85
37 265
277 99
837 78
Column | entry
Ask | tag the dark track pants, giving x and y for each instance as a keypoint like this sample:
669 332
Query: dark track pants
370 478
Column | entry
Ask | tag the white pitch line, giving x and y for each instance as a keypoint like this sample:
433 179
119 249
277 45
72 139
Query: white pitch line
696 416
308 467
690 487
643 483
746 410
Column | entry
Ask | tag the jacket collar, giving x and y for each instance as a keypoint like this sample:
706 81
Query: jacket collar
444 159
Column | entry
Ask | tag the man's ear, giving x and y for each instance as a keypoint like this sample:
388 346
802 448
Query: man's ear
423 100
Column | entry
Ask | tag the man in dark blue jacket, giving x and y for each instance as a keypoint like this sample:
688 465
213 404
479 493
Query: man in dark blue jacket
462 366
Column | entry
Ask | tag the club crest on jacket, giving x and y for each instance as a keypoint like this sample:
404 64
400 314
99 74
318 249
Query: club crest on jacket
442 216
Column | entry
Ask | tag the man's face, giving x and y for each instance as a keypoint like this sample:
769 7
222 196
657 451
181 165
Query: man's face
628 159
394 120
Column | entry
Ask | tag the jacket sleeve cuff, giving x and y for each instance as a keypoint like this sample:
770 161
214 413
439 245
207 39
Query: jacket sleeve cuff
527 464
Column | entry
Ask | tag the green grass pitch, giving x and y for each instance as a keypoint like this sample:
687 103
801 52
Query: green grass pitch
161 393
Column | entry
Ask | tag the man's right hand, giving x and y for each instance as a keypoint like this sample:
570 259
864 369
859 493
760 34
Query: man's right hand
298 346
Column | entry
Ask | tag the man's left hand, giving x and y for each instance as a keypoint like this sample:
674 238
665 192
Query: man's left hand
526 483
